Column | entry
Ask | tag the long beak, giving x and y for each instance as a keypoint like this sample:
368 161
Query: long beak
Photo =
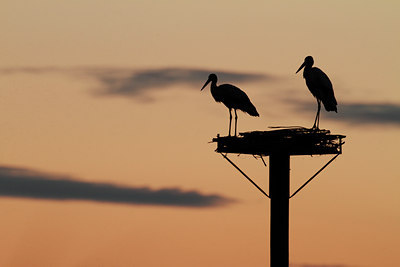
302 66
207 82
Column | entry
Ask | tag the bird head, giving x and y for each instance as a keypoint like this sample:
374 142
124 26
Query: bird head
308 61
211 78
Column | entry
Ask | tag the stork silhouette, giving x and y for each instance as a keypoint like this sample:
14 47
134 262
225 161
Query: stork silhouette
232 97
320 87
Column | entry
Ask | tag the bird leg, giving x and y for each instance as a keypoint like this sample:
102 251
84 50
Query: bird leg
316 122
230 121
236 116
319 113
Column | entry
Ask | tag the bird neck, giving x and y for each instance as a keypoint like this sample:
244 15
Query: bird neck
213 85
307 69
215 92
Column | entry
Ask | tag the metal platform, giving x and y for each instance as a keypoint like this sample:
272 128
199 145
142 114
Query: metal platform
291 141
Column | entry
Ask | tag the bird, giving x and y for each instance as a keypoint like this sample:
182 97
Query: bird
232 97
320 87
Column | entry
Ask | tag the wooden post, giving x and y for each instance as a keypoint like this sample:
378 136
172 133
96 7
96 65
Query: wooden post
279 192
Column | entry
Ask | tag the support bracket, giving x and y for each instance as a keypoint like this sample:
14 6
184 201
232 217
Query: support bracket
245 175
262 191
312 177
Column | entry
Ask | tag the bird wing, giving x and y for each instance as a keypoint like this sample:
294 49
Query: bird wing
235 98
233 93
324 88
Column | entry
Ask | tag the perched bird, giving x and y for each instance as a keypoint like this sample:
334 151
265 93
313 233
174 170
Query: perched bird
320 87
232 97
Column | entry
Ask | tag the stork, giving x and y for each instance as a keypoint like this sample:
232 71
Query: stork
320 87
232 97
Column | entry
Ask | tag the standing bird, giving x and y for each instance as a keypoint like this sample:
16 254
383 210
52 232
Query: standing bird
232 97
320 87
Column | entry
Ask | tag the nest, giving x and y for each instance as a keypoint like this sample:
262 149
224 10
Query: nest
282 140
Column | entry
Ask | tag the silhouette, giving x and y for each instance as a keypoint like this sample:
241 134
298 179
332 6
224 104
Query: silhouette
232 97
320 87
280 145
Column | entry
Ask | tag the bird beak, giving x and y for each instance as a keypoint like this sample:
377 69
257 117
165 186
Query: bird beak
302 66
207 82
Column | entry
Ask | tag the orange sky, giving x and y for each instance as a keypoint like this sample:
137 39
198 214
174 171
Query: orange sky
87 98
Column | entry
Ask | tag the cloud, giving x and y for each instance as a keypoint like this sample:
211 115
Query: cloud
33 70
378 113
360 113
140 83
25 183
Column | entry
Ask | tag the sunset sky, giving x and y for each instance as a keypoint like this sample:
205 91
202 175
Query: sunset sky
105 157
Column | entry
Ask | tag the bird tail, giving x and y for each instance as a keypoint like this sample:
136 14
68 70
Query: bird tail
330 106
251 109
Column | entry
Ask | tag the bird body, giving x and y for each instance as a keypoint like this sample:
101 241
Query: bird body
232 97
320 87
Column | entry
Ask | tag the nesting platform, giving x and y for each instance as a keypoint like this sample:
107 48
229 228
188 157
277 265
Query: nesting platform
291 141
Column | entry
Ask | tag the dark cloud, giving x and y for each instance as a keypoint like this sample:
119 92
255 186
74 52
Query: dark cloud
25 183
369 113
139 83
360 113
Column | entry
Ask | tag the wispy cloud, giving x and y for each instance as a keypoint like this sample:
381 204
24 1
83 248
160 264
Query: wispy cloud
31 70
140 83
375 113
25 183
360 113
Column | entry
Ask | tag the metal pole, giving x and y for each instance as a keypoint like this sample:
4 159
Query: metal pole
279 192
